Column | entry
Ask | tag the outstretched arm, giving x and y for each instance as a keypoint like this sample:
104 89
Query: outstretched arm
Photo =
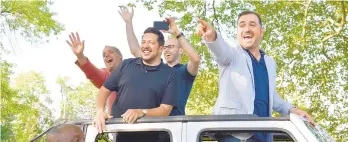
223 52
194 59
131 38
96 76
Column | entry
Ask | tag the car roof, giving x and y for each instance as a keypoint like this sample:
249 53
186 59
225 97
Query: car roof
182 118
189 118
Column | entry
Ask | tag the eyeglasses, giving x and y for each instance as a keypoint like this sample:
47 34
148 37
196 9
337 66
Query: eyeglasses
168 46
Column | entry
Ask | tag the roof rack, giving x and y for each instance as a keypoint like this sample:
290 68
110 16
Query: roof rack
189 118
183 118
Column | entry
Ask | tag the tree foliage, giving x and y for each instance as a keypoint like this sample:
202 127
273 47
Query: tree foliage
7 95
31 19
79 101
308 40
24 111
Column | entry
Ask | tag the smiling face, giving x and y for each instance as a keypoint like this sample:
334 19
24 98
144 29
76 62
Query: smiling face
111 57
150 49
250 31
172 50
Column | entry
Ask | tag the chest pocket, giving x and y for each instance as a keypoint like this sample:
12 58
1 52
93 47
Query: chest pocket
231 107
240 82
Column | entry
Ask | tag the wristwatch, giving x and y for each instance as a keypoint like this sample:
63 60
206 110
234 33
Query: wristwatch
144 112
179 35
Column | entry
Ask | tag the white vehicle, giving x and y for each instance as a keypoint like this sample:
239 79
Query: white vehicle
199 128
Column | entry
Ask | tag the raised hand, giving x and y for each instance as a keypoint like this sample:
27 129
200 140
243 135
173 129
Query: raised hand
173 29
205 30
76 45
125 14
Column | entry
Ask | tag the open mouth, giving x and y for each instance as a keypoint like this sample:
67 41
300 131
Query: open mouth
247 37
146 52
108 60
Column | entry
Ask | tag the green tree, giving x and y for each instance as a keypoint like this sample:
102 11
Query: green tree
24 111
34 116
8 94
306 38
31 19
79 101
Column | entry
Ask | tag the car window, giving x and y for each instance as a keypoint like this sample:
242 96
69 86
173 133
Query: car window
321 134
105 137
111 137
214 136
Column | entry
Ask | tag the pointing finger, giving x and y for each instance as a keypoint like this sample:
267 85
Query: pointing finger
203 23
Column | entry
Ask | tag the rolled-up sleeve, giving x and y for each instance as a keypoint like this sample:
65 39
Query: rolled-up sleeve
113 80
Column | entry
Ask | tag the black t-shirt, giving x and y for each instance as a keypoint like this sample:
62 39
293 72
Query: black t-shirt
142 87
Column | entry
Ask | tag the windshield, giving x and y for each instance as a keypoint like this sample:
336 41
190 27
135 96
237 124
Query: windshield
320 133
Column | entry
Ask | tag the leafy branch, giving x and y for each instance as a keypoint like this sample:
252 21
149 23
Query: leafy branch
305 23
215 18
339 30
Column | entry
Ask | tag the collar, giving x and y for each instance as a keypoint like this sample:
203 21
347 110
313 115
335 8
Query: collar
261 51
139 61
177 65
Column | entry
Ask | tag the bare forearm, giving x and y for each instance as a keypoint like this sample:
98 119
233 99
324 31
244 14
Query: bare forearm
194 59
82 59
191 53
103 94
132 40
159 111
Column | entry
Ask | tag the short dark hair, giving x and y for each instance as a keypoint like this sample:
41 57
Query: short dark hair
114 48
249 12
160 38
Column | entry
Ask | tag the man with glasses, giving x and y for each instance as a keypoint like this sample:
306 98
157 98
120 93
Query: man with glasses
173 50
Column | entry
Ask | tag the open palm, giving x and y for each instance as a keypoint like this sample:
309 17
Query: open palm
75 44
126 15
